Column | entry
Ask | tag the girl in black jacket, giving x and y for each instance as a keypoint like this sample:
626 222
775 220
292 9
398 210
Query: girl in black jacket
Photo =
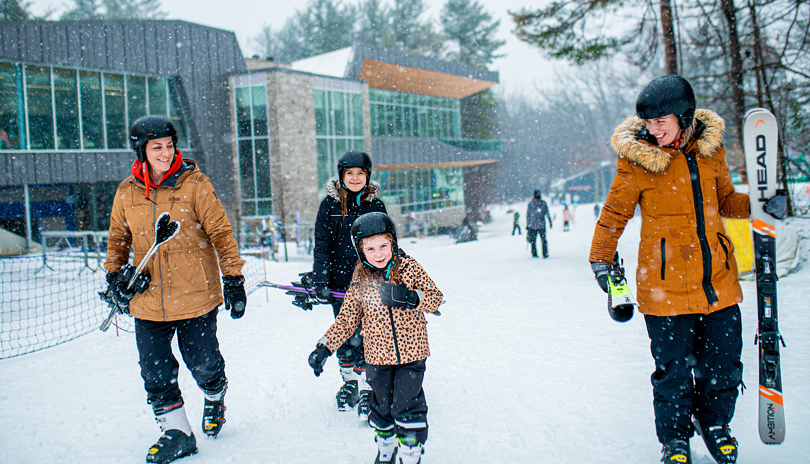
347 197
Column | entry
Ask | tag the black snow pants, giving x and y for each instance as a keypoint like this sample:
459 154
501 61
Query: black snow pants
531 236
197 339
697 370
350 353
398 402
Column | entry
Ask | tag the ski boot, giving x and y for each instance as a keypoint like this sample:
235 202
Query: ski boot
177 440
718 439
347 397
410 450
386 447
676 452
213 416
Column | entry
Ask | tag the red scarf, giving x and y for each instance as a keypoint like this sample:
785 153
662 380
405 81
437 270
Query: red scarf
140 169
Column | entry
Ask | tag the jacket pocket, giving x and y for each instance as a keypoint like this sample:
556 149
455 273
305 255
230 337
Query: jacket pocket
723 240
663 258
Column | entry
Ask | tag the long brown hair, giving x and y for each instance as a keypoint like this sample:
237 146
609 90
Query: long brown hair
343 192
365 271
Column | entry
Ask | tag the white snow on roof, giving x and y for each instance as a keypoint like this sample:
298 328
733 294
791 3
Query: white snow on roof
329 64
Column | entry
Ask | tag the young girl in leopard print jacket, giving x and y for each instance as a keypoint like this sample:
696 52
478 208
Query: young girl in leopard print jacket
389 294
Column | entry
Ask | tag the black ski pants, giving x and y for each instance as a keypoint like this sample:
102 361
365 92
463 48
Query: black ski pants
197 339
398 401
697 370
531 236
350 353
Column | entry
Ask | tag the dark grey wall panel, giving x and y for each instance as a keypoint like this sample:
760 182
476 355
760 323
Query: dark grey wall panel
134 48
74 39
150 48
115 46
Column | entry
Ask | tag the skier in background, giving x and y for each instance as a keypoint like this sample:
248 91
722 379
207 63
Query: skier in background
566 214
516 224
389 294
536 215
348 196
671 164
186 299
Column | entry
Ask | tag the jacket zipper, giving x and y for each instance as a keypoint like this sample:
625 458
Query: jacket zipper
722 238
159 267
663 257
394 332
697 194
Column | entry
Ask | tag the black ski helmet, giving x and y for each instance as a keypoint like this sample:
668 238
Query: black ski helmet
354 159
537 194
148 128
371 224
665 95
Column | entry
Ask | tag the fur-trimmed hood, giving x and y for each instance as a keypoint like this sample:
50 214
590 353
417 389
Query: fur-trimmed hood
656 159
331 187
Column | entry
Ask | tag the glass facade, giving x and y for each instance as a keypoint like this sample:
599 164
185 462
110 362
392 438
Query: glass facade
409 115
422 189
338 128
253 145
52 108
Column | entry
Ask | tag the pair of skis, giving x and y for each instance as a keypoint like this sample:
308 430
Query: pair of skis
165 230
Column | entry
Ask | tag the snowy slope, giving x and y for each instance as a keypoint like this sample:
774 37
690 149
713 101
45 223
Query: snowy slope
526 366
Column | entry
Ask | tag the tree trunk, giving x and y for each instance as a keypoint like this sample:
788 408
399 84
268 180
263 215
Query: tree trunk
668 33
735 77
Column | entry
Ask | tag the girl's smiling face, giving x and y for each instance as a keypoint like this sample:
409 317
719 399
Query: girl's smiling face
378 251
665 129
354 179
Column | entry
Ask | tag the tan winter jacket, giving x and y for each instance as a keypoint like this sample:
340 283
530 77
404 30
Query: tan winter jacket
686 261
184 272
390 335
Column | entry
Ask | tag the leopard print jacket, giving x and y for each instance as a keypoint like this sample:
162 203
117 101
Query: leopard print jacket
390 335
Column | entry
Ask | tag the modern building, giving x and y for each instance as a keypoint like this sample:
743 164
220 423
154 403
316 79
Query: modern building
267 135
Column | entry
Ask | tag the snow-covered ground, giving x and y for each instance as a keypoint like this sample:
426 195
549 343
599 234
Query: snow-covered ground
526 366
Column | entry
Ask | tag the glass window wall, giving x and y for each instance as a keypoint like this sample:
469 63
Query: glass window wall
422 189
408 115
52 108
253 144
338 128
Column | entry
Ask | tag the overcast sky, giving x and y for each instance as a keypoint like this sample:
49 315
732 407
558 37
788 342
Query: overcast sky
523 68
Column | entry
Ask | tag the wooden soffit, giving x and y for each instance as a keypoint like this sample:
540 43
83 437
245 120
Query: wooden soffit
388 76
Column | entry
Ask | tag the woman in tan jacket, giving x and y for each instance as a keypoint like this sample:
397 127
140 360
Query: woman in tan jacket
389 294
184 292
671 164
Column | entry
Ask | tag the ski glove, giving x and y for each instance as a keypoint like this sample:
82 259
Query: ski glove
602 273
119 288
776 205
322 293
398 296
318 358
235 296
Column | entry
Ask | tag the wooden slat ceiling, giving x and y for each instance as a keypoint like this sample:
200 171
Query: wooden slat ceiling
387 76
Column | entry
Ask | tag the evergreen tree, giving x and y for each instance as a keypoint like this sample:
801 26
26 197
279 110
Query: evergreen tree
114 9
13 10
409 33
373 25
471 31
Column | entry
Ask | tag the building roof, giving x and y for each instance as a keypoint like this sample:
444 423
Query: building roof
390 69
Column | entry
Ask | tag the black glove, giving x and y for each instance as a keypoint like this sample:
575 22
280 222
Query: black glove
776 205
602 273
235 297
121 292
322 293
318 358
398 296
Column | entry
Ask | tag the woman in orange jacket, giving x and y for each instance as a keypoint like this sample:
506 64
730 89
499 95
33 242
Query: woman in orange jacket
185 292
671 164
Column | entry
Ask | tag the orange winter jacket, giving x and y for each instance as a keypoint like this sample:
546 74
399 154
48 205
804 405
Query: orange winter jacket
686 261
184 272
390 335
